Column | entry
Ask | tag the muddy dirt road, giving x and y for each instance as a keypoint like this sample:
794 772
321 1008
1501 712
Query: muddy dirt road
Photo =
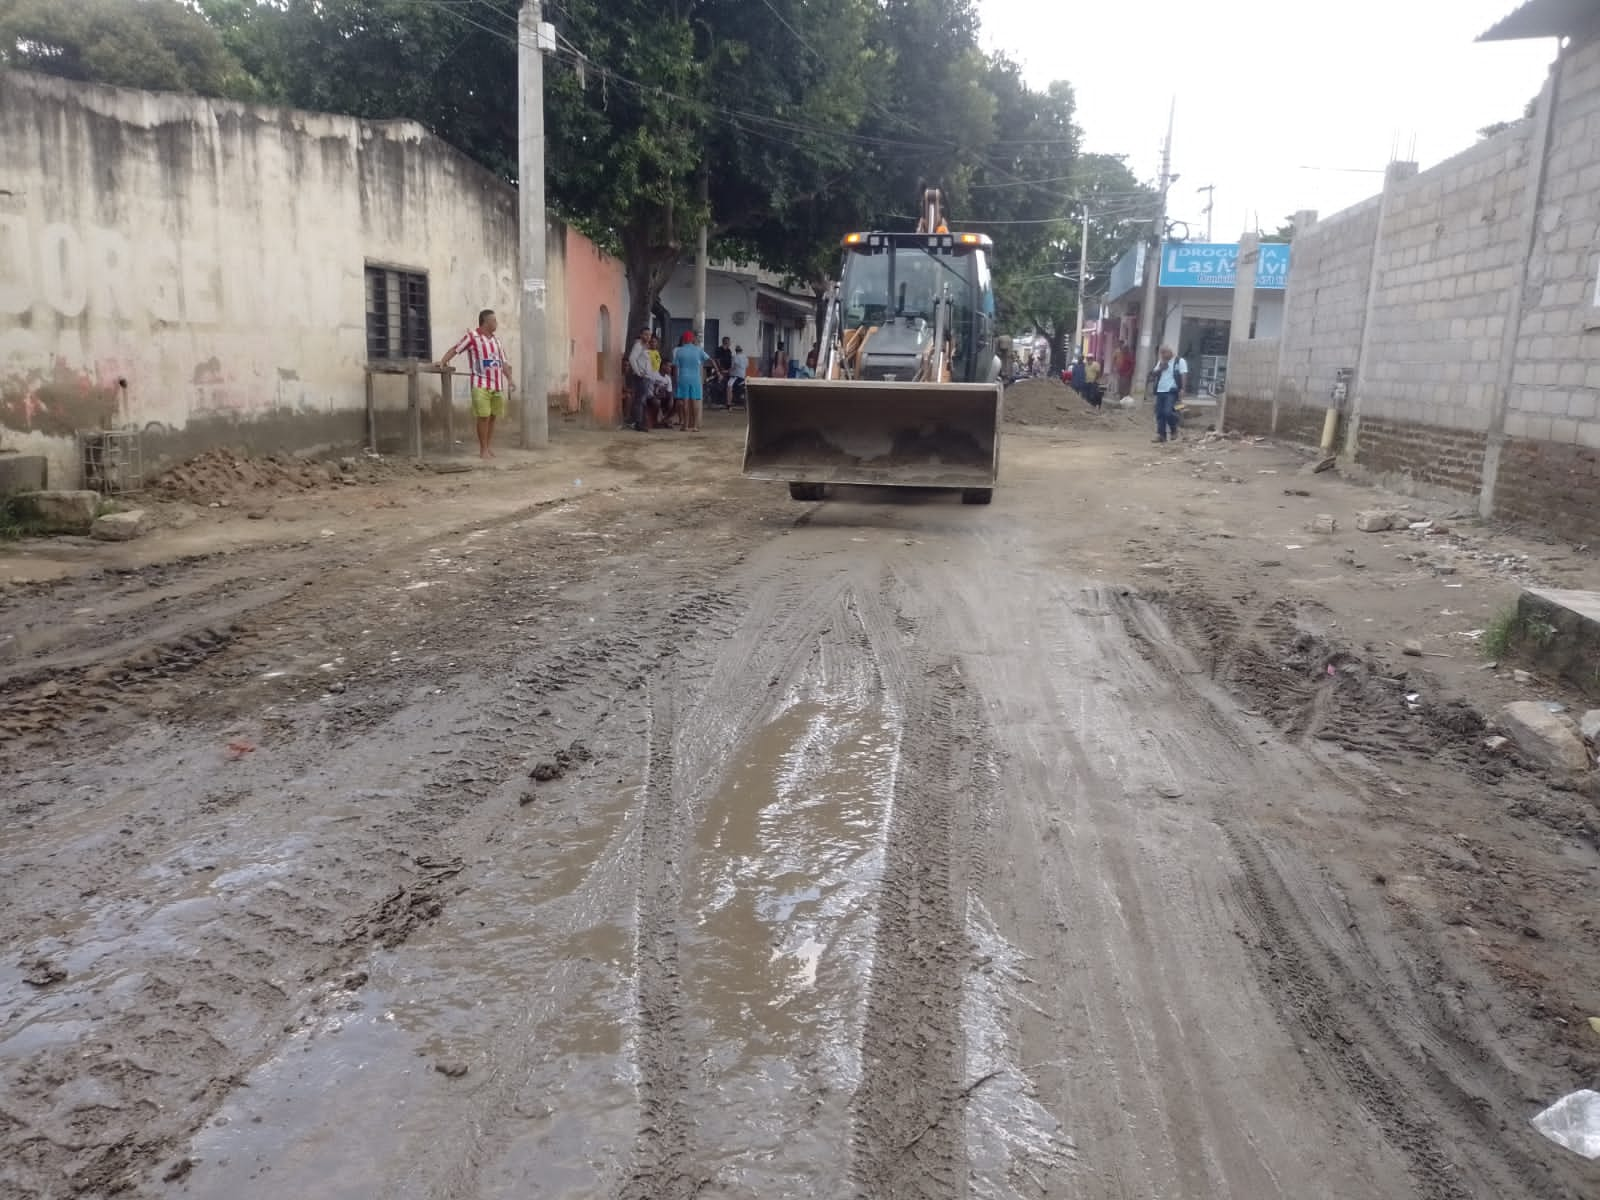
676 840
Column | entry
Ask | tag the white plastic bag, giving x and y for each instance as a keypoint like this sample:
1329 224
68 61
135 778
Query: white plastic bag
1574 1122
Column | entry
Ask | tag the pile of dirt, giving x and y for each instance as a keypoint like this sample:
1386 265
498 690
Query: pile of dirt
1051 402
223 473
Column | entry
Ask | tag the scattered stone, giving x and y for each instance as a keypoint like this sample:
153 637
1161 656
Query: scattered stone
42 973
1589 726
63 512
1496 744
1543 736
1295 492
544 772
1324 523
1521 676
255 514
119 526
1412 649
1319 466
1375 521
451 1068
1443 569
1170 791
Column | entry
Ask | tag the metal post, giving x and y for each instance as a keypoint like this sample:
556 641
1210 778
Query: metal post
532 376
1152 268
1083 282
448 401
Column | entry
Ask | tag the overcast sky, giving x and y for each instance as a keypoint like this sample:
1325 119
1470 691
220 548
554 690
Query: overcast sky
1277 100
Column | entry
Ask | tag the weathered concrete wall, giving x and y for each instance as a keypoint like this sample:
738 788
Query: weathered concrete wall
1466 299
196 268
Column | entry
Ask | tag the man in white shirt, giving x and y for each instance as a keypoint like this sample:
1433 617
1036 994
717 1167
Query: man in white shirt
741 371
1168 377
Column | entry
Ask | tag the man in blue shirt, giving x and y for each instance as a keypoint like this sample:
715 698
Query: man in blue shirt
689 366
1168 377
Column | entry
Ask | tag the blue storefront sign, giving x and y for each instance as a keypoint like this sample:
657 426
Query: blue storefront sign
1215 265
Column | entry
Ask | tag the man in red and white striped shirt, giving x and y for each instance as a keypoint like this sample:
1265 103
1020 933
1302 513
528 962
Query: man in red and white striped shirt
491 376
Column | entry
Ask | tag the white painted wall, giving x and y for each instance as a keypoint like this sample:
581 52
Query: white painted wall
211 254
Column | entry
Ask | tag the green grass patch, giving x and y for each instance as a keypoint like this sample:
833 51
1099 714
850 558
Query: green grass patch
19 518
1501 634
1511 629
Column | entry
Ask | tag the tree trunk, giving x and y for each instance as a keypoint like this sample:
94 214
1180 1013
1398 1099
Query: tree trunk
647 269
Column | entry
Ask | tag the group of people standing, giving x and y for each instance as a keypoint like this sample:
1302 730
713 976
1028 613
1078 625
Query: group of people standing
667 392
670 392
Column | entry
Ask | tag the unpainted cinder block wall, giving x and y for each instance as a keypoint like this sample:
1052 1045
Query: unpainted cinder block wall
1469 297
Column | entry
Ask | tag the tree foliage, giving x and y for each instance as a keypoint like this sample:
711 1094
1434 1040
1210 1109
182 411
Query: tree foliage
158 45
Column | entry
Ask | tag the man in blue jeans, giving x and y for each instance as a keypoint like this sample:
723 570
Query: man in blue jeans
1168 377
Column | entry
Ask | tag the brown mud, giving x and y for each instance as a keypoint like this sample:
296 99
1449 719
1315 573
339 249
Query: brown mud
668 839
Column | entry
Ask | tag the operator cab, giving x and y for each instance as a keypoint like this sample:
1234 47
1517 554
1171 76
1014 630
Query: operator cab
892 287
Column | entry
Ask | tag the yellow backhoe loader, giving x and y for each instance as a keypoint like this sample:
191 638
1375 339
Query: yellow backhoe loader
908 390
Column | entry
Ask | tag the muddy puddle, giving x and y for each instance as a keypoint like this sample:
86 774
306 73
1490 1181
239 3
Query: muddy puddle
778 958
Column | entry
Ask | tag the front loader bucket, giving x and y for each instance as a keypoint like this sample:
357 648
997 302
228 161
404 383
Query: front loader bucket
936 435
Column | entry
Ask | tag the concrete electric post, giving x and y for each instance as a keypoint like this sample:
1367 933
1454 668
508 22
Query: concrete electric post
533 38
1144 356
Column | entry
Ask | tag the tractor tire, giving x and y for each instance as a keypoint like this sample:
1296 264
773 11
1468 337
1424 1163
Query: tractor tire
977 495
805 491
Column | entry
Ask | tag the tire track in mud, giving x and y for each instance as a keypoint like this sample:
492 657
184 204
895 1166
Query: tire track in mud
906 1120
167 1051
1335 999
750 662
909 1136
664 1163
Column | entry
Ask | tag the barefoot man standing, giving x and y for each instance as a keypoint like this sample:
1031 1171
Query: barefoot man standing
491 376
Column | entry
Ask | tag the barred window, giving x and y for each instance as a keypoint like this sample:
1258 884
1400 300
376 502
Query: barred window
398 328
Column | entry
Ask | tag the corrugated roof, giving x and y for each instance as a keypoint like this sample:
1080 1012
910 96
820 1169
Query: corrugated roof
1545 18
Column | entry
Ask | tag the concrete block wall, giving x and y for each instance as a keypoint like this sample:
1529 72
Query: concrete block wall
1252 381
1547 471
1448 259
1331 265
1474 324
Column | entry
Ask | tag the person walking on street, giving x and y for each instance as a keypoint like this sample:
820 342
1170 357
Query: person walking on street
1168 378
640 380
1093 392
689 366
490 376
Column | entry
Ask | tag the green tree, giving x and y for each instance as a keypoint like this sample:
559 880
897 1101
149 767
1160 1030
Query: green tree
1283 233
779 123
158 45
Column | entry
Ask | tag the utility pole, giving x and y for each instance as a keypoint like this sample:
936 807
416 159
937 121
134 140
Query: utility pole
1083 282
533 375
1152 266
1210 190
702 258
